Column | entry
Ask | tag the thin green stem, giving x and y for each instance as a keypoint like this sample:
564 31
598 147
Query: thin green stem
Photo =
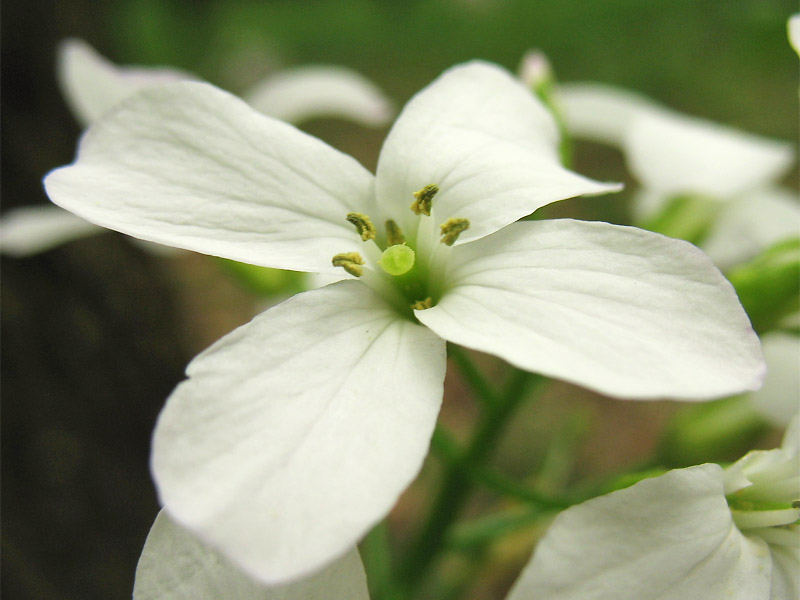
475 535
480 386
452 497
378 564
447 449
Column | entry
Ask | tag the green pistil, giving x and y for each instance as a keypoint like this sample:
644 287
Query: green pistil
452 229
363 225
394 235
397 260
350 262
424 200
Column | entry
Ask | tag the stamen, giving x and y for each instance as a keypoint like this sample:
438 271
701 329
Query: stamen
452 229
350 262
394 235
422 304
363 225
424 199
397 260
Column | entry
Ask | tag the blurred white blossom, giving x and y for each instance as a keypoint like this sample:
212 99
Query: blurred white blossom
675 155
92 85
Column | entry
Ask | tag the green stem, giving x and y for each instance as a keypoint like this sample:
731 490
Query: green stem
378 564
447 449
456 485
480 387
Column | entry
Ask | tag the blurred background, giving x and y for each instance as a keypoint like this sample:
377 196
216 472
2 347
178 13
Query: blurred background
96 333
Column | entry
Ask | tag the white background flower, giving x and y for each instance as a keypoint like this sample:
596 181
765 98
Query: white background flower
672 154
92 86
673 537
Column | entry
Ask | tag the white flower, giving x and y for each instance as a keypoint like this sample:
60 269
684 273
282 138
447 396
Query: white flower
176 565
671 154
297 432
92 86
700 532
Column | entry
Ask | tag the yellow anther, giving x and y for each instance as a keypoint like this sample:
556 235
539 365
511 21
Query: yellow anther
452 229
394 235
350 262
363 225
424 199
422 304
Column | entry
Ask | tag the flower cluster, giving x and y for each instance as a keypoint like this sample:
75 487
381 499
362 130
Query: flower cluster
295 434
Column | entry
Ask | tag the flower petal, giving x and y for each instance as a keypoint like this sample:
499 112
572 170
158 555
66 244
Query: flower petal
666 538
675 154
785 569
177 565
623 311
602 113
297 432
191 166
779 398
489 145
33 229
92 85
752 223
303 93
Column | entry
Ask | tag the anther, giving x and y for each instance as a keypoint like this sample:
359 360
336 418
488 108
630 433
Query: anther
422 304
394 235
424 199
452 229
363 225
350 262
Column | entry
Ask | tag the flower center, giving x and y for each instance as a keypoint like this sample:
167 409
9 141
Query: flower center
397 270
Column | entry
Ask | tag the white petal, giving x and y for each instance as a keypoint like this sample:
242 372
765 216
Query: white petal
297 432
791 438
303 93
623 311
666 538
33 229
752 223
794 32
779 398
191 166
674 154
176 565
602 113
489 145
92 85
786 570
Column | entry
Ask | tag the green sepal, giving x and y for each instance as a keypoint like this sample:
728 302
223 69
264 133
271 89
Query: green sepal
687 217
769 285
716 431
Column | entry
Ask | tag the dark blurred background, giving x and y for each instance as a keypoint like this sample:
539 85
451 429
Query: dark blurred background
96 333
